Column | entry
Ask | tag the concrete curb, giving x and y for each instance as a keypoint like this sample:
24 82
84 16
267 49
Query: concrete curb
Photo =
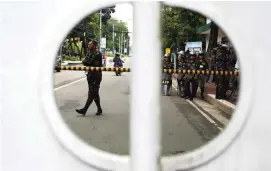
223 105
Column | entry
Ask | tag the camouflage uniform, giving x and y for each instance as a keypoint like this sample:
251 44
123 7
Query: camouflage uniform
221 82
190 79
212 65
231 62
181 77
201 65
167 76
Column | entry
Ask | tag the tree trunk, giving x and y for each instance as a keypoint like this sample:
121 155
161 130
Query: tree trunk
70 46
213 38
78 49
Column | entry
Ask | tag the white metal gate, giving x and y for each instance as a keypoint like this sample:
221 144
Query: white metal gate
36 138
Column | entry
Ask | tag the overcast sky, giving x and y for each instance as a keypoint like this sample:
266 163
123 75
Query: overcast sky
124 12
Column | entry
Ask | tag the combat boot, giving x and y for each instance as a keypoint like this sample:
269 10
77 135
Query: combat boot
98 104
202 93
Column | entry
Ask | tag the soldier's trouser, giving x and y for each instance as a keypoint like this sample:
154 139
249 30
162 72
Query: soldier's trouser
188 91
168 78
181 81
195 84
169 84
231 81
220 88
93 90
201 83
181 87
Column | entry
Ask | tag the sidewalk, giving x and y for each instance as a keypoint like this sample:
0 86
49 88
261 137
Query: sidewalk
224 105
210 88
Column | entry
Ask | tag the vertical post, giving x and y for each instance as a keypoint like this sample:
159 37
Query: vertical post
122 42
113 39
85 39
145 83
100 30
119 44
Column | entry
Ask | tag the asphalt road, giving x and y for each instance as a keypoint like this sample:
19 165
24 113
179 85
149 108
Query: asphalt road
183 127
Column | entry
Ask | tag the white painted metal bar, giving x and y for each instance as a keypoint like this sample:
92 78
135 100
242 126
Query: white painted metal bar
145 83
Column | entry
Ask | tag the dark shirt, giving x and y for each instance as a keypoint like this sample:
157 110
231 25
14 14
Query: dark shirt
118 61
202 64
231 61
221 61
167 65
93 59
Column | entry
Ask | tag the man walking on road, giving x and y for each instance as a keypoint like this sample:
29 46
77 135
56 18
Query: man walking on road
93 59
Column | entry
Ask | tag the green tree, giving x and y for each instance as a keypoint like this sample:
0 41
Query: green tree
106 13
179 26
119 29
89 28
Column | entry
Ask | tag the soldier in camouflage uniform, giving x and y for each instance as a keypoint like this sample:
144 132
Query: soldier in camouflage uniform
201 65
190 79
93 59
167 64
181 77
231 62
221 65
212 64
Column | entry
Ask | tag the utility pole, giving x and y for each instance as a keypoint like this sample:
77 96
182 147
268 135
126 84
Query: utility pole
100 49
122 43
119 44
113 40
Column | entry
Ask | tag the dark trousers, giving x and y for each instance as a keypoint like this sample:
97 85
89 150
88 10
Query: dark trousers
94 81
190 93
181 87
221 87
169 85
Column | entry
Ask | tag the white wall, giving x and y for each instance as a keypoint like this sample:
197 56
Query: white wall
207 41
220 35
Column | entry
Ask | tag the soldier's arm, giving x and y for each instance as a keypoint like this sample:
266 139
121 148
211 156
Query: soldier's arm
86 61
98 59
206 64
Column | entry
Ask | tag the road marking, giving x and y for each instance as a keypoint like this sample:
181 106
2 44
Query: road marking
69 84
200 111
204 114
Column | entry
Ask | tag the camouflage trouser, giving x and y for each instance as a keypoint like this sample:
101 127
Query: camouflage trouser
168 78
231 81
231 78
221 87
190 81
201 83
181 81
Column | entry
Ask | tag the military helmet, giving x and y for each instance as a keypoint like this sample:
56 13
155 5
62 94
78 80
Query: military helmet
181 52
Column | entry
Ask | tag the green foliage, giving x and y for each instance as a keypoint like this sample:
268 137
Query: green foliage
70 58
179 26
90 25
107 13
119 27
